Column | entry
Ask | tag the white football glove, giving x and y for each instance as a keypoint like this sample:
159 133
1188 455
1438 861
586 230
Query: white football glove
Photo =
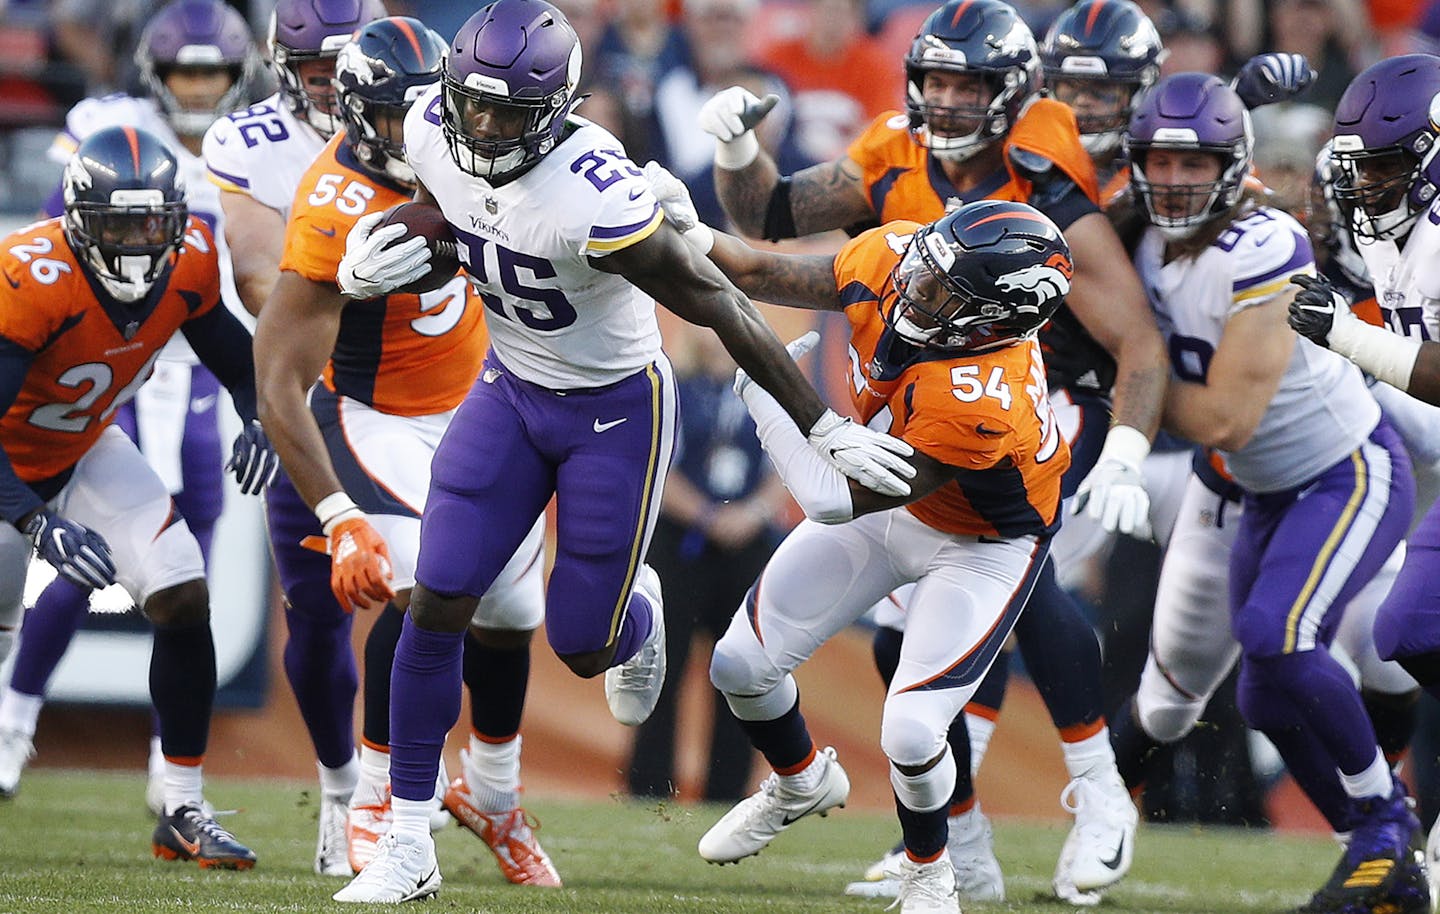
1114 491
372 267
673 195
730 116
873 459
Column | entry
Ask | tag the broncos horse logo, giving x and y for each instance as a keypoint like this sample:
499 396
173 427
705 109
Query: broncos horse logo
1045 281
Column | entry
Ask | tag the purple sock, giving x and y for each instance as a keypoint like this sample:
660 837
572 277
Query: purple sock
424 704
49 628
320 665
634 630
1325 695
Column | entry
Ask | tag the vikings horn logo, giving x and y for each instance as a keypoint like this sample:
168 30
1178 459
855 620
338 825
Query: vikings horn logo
1045 281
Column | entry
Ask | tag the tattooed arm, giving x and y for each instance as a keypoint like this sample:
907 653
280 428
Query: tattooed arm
827 196
793 280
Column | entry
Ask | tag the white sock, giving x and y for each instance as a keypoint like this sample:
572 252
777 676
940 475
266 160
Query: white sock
19 711
156 763
374 777
412 818
184 786
339 782
495 765
1090 756
808 778
980 730
1374 781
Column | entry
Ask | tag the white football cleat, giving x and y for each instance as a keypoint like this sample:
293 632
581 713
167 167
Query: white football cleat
404 869
332 848
1101 846
971 849
16 751
928 888
757 819
633 688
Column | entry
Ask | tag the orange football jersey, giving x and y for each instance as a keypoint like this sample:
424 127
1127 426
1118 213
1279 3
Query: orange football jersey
904 183
986 413
89 360
407 355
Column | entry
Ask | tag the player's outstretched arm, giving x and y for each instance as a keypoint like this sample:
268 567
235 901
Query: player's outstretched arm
255 234
293 339
827 196
672 272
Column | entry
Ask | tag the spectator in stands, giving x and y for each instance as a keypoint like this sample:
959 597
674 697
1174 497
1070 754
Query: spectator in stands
841 78
720 518
716 55
638 45
1334 35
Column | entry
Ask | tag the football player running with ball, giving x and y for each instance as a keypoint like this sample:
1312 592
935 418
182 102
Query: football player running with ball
569 250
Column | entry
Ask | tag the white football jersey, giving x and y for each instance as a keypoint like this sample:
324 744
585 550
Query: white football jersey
1322 409
202 197
262 152
1407 284
554 319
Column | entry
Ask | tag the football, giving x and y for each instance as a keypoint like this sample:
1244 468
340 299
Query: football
426 221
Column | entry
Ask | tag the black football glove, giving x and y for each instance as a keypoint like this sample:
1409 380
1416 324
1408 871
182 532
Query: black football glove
1269 78
253 459
77 552
1314 308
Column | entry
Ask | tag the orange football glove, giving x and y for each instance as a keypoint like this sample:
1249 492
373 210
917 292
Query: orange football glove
360 572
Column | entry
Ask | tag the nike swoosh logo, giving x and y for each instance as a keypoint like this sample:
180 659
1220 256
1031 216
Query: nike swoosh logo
1114 862
606 426
788 820
981 428
13 283
191 847
637 193
328 234
202 404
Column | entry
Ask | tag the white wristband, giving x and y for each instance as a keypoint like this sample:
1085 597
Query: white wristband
737 153
1387 356
334 508
701 238
1125 444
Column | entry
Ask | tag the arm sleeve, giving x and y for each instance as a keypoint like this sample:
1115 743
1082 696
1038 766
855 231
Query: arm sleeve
822 491
16 498
224 346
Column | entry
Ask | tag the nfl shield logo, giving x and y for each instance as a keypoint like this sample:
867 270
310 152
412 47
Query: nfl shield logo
131 329
492 206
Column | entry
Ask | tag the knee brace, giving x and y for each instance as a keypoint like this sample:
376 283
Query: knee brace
928 791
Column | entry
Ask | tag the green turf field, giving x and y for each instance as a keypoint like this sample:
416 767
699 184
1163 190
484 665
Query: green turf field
78 842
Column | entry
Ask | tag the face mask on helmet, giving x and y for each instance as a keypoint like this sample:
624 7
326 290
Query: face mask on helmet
967 75
1382 192
127 242
304 39
500 120
1102 109
195 58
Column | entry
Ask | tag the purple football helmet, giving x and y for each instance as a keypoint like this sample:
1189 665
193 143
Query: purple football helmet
509 83
1112 46
971 36
305 30
378 75
1384 151
1191 112
196 35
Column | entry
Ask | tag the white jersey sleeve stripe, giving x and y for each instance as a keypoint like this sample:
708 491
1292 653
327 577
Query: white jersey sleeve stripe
1257 294
607 240
63 147
228 182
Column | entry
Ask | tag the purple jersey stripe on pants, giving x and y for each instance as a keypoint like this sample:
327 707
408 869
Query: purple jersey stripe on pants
601 452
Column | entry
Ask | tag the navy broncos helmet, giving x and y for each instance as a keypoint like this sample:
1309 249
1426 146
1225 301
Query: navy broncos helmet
378 76
125 211
986 275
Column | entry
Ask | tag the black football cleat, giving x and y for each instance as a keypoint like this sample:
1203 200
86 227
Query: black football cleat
189 834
